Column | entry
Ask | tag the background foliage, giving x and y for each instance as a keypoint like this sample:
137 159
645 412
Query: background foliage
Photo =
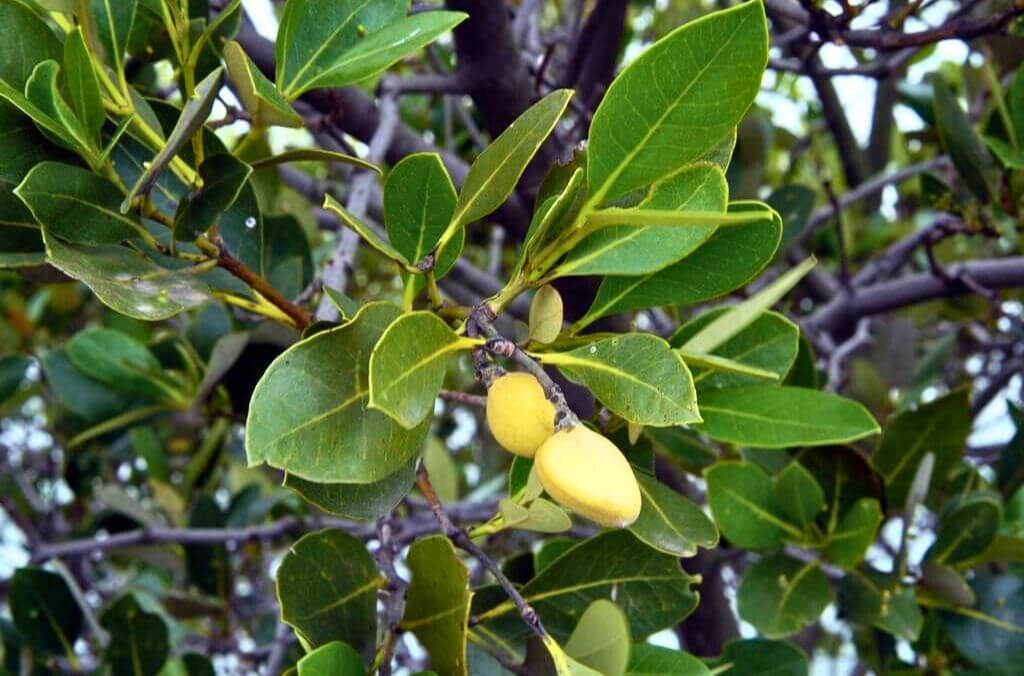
249 285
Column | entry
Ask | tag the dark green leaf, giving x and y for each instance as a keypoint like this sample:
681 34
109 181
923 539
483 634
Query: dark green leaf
258 94
650 660
113 20
44 610
118 360
127 281
968 529
53 190
83 85
742 499
965 148
419 200
357 501
12 374
771 416
762 657
327 585
437 603
671 522
140 641
309 413
855 533
781 595
939 427
223 176
798 495
332 659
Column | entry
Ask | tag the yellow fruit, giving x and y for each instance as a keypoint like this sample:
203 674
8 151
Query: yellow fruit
520 417
586 473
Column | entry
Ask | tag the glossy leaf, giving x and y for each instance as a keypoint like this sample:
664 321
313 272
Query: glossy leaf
770 416
408 365
781 595
126 280
113 20
671 522
769 343
967 530
651 660
762 657
437 603
258 95
362 502
141 641
309 413
327 586
44 610
656 118
636 375
21 148
25 40
939 427
496 171
53 190
743 501
855 533
650 586
332 659
640 249
601 639
712 270
82 84
223 176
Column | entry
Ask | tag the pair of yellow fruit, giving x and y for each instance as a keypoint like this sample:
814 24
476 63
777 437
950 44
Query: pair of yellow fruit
578 467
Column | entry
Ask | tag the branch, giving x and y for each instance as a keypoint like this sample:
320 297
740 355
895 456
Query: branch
462 540
892 295
263 287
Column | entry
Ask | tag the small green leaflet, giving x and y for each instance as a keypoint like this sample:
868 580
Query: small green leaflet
781 595
258 95
671 522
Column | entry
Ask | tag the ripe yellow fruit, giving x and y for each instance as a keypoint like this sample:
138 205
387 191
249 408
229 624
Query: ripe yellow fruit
520 417
586 473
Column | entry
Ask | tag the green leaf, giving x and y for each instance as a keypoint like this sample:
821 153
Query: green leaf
419 200
437 603
313 155
53 190
650 587
740 316
496 171
794 204
378 51
655 119
408 365
126 280
555 213
544 516
333 659
967 530
798 494
114 20
443 470
671 522
20 247
118 360
83 85
257 94
45 610
637 375
743 501
546 315
963 145
21 148
1009 157
12 374
772 416
901 616
85 397
364 231
52 129
762 657
44 91
991 635
601 639
141 642
651 660
781 595
224 176
193 115
712 270
855 533
327 586
25 40
309 414
770 343
624 249
361 502
939 427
